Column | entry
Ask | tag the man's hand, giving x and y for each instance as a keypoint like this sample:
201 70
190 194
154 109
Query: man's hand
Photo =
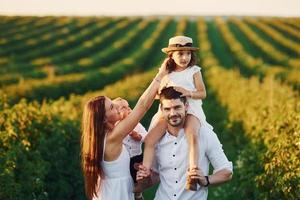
196 173
135 136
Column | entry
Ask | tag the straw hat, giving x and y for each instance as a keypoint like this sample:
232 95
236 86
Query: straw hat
180 43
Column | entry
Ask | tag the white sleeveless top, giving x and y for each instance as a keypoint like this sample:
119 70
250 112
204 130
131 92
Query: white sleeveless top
117 184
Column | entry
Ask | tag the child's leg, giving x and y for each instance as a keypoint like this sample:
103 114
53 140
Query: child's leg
151 139
192 126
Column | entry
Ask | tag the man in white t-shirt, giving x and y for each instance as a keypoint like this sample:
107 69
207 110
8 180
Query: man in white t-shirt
171 155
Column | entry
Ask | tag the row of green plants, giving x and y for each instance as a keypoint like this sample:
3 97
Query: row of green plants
50 40
30 39
117 49
269 112
55 52
90 46
29 70
284 28
16 26
294 22
250 65
275 54
253 64
39 27
291 45
57 57
267 167
79 83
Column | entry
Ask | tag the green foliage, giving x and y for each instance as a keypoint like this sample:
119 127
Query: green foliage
270 116
39 153
44 58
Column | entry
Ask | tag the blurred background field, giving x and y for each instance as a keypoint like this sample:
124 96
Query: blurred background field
50 66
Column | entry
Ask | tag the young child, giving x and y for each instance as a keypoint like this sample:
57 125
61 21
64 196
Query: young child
133 141
186 78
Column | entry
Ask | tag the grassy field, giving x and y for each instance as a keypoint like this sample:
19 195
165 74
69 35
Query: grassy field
50 66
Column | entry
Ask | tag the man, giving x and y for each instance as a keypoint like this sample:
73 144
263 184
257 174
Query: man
172 155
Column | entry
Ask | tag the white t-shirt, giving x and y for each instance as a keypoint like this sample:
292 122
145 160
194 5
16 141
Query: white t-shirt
135 147
172 160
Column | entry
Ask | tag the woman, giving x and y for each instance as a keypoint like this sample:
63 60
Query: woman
104 159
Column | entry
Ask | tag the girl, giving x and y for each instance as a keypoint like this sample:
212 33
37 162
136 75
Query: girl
186 78
104 159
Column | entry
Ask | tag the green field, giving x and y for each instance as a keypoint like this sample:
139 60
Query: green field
50 66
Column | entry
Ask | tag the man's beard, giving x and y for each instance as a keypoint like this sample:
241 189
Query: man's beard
175 120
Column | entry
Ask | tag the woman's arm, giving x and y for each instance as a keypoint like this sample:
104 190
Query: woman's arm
125 126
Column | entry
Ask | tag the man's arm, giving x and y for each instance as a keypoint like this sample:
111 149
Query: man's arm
222 166
215 153
217 178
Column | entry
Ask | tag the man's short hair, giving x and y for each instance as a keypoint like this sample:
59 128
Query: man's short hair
170 93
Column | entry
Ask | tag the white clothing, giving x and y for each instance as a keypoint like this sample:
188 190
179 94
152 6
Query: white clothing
117 184
185 80
135 147
172 160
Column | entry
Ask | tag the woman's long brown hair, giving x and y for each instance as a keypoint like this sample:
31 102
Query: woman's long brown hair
92 142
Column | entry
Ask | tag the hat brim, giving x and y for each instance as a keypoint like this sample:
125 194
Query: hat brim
168 49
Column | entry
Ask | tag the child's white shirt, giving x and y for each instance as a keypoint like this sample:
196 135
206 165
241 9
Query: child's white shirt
135 147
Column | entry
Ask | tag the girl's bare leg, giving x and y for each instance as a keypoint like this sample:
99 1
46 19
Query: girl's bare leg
192 127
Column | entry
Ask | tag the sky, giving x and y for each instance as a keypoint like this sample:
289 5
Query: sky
151 7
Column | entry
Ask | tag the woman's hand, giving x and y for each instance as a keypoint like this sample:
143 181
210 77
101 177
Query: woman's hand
143 172
163 68
185 93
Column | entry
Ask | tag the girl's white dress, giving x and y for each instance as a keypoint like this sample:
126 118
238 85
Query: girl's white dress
118 184
184 79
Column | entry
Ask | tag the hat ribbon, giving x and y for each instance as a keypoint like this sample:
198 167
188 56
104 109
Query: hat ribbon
180 45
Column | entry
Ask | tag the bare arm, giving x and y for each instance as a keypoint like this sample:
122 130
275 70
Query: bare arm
125 126
215 179
199 84
200 92
220 177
